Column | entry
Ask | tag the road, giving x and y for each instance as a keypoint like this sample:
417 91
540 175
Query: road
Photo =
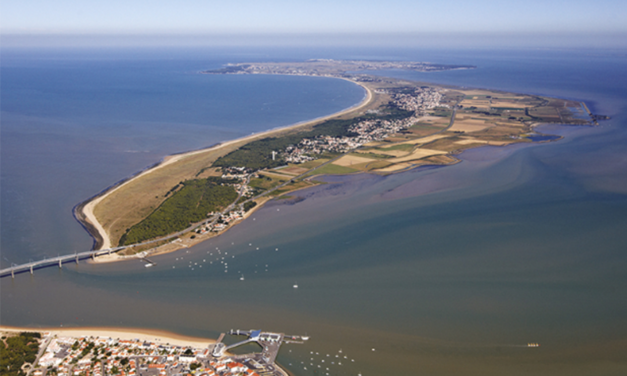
42 350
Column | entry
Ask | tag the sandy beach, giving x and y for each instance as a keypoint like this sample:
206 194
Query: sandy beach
88 208
120 333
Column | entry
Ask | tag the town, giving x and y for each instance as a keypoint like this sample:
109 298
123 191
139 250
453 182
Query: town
103 356
419 100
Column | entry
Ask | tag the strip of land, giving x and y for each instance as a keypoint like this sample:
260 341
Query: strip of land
87 211
399 125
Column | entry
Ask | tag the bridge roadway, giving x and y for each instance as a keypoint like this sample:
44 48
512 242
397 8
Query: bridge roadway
31 266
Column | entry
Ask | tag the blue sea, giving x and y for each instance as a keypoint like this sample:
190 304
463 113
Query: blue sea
435 271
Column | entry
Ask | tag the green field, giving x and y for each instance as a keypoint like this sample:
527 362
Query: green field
265 182
332 169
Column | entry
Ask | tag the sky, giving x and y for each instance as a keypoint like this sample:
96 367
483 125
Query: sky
561 18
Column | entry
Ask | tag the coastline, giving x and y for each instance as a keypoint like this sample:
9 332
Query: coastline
84 211
173 246
152 335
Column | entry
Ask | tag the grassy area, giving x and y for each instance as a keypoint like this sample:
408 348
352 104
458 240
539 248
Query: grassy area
442 112
332 169
424 125
375 155
188 205
265 182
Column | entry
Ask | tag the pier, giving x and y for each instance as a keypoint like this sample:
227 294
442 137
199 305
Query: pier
270 343
59 260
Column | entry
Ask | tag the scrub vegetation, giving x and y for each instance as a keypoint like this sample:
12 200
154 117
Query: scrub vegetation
186 206
17 350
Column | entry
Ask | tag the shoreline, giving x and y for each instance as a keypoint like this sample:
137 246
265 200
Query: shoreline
165 248
187 243
152 335
84 211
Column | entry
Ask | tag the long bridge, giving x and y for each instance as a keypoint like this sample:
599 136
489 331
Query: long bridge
31 266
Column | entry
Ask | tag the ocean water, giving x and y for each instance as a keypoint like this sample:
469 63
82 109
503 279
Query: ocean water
75 122
437 271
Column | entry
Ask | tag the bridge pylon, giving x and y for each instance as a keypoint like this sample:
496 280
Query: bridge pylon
31 269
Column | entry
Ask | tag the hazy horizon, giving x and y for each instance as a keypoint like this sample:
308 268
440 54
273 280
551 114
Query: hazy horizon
448 23
410 40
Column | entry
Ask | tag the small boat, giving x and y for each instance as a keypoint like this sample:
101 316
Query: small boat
295 286
148 265
241 278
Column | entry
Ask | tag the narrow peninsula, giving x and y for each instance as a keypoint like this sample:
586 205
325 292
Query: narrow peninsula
400 125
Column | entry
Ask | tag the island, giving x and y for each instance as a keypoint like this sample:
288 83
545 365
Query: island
400 125
104 351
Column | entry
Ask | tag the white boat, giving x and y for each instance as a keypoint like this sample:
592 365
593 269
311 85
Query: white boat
295 286
241 278
148 265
